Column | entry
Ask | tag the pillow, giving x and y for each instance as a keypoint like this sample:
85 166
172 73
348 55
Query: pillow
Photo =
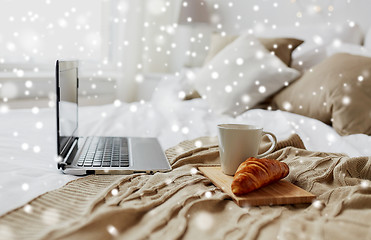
367 41
348 48
241 75
281 47
315 34
314 56
316 37
337 90
309 58
217 43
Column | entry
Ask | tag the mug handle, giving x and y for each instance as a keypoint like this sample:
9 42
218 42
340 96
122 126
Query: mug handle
274 143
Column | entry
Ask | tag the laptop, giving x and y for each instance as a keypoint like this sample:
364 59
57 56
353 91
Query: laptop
97 155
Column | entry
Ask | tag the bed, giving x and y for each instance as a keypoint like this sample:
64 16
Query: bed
184 203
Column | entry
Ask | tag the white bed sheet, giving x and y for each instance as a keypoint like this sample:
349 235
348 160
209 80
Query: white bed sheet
28 139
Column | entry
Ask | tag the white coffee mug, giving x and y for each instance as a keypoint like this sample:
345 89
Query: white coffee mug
237 142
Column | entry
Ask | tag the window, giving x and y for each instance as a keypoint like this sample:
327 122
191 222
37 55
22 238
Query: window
115 41
43 30
35 33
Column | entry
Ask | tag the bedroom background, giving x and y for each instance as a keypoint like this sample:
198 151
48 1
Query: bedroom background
126 47
138 60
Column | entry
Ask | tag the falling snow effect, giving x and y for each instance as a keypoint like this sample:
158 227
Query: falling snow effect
114 192
204 221
104 57
25 187
27 208
168 181
193 171
50 216
365 184
198 143
208 194
318 204
112 230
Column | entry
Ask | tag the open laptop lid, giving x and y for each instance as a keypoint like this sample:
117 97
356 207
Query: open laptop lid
67 108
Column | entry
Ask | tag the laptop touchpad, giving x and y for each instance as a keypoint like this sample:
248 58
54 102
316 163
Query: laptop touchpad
147 153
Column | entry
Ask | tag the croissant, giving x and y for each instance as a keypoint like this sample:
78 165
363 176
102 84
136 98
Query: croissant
255 173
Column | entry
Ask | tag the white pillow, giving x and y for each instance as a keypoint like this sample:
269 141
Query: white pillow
348 48
241 75
309 58
367 41
316 39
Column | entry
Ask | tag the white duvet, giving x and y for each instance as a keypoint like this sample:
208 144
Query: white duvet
28 138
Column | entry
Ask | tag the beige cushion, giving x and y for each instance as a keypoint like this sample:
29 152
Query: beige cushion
337 91
282 47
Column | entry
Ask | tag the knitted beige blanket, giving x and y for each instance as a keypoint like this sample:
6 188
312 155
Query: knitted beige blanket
183 204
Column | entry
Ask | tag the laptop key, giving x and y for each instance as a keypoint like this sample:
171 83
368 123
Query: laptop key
106 164
97 164
124 164
105 152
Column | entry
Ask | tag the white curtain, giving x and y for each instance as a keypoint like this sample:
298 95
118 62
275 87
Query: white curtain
145 32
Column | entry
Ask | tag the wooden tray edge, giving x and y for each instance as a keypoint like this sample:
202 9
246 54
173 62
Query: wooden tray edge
243 202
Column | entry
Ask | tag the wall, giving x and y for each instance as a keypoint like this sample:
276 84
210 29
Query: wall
238 15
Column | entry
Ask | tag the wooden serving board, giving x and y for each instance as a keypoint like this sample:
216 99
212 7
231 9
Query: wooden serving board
281 192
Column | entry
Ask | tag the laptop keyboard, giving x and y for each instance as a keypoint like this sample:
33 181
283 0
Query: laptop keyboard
105 152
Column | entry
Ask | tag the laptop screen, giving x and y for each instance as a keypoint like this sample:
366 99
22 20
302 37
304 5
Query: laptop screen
67 97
